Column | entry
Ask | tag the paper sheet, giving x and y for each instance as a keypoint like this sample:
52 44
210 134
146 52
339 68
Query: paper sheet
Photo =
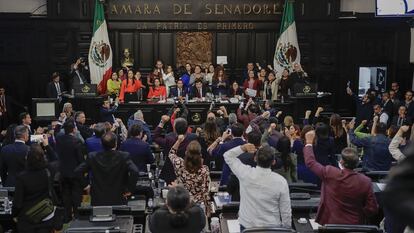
381 186
233 225
314 224
251 92
222 60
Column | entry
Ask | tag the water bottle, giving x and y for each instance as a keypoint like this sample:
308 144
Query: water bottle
6 205
161 162
215 225
150 203
219 96
282 100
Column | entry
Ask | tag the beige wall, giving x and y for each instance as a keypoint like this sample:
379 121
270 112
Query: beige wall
360 6
23 6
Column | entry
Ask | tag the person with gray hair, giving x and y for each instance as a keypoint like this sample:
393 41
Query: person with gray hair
13 157
138 118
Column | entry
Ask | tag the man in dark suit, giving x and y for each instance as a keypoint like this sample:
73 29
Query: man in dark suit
409 104
234 133
56 88
355 202
70 151
107 112
139 150
180 127
85 130
396 88
198 90
387 105
179 90
401 119
79 72
112 172
26 120
13 157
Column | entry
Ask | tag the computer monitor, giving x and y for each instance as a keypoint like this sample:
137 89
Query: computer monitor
374 77
45 108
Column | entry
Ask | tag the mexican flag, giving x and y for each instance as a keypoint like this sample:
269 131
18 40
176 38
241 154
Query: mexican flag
287 48
100 52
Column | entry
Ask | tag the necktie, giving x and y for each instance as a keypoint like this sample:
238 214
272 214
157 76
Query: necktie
199 93
179 92
58 89
2 105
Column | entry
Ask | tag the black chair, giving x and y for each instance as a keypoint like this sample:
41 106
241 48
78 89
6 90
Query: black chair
232 207
267 230
377 175
303 188
339 228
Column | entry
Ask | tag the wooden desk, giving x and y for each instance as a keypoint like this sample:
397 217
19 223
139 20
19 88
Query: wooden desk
123 223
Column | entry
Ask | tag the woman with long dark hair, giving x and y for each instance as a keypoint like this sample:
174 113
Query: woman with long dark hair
32 186
220 82
211 131
252 83
191 172
178 215
129 88
289 159
338 132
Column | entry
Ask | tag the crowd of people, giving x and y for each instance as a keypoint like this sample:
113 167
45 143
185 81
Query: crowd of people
258 149
190 81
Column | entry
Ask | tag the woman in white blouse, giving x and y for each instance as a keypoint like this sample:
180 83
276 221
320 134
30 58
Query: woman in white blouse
169 79
209 74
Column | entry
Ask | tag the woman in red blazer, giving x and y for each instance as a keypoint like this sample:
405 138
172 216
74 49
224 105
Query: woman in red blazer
157 90
252 83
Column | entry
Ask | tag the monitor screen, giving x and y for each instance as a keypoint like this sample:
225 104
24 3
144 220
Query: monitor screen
374 77
45 109
395 8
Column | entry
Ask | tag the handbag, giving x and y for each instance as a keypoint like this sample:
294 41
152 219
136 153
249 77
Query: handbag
43 208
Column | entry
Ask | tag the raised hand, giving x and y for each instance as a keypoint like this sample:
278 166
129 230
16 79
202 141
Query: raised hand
310 137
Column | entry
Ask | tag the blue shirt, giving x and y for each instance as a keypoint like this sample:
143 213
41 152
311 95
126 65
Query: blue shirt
94 144
219 152
139 152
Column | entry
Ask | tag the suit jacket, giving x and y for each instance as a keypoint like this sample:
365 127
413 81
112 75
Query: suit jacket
397 121
76 76
174 92
69 150
256 86
112 171
84 130
167 172
12 162
51 90
220 163
388 107
194 92
139 151
410 109
94 144
353 204
107 115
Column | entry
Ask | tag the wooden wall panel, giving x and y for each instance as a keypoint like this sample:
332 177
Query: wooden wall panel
146 50
165 45
243 49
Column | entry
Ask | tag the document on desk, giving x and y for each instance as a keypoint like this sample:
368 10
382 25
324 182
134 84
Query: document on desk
233 225
315 225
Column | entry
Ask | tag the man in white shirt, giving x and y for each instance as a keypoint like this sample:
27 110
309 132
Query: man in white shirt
264 195
383 116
